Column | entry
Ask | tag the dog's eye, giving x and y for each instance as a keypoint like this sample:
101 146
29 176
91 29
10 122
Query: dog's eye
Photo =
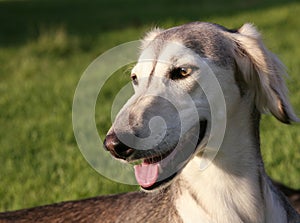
134 79
180 72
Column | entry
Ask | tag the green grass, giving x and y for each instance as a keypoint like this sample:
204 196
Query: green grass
46 45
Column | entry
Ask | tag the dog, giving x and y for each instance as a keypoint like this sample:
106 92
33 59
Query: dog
192 130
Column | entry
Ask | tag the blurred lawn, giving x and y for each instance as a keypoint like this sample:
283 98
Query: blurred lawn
46 45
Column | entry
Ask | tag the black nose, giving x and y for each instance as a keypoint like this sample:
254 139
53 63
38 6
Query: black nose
116 147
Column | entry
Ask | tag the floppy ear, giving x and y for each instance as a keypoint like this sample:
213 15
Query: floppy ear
262 72
150 36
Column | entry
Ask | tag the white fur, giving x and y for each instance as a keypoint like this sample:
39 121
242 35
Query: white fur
223 189
234 187
189 210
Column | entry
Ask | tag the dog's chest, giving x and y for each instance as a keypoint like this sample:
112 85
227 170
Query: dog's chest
189 210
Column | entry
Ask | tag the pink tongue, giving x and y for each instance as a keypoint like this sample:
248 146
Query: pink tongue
146 174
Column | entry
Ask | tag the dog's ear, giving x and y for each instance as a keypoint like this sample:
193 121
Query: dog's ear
263 73
150 36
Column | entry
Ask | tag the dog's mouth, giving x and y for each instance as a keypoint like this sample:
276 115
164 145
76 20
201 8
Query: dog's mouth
147 172
159 169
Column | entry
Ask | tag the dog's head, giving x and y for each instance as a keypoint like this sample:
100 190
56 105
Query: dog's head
168 119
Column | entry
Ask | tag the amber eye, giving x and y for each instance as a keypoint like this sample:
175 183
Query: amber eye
180 72
185 71
134 79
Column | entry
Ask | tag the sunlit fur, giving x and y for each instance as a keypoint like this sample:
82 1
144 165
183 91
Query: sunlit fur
235 187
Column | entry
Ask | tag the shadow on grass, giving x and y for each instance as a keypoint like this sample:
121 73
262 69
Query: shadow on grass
21 21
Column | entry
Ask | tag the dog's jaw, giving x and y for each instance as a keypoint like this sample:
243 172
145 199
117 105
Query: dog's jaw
153 176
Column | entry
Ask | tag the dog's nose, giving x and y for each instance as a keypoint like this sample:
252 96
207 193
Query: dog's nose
116 147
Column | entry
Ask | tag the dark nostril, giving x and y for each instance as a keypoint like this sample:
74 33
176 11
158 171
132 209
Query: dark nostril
116 147
111 141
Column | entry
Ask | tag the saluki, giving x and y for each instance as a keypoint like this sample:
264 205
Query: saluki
170 128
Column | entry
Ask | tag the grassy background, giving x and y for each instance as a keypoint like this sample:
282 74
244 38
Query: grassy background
46 45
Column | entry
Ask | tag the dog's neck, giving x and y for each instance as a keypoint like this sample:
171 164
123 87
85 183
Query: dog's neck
229 189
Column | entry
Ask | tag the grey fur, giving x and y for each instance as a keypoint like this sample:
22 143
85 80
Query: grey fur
226 50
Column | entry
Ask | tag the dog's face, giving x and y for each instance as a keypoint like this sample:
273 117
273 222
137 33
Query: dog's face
168 119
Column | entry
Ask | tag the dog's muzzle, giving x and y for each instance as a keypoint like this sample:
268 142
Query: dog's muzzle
157 167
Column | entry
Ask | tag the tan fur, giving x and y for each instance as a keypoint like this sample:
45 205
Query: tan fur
233 188
262 72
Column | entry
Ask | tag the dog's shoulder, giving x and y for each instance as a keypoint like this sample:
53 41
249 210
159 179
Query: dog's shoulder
291 213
